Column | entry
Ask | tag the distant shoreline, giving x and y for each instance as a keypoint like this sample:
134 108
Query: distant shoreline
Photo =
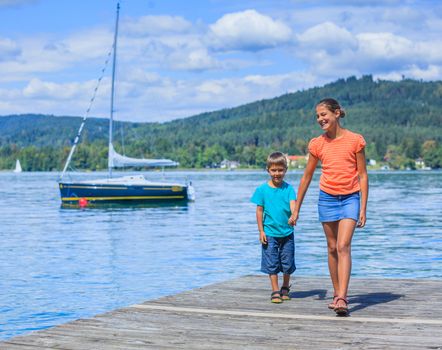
200 170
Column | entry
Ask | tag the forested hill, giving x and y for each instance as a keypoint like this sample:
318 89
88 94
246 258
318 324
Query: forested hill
398 119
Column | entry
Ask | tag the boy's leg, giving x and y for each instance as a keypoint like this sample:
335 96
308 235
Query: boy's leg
287 258
285 289
286 281
276 293
274 282
287 255
270 265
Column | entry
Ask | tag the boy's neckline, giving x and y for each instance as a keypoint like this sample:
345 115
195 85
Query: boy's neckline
271 185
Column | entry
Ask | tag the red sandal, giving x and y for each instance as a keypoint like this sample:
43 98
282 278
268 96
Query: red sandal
343 309
332 305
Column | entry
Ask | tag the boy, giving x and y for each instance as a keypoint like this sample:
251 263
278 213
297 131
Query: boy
275 202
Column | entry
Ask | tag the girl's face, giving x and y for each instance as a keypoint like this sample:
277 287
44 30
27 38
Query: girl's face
326 118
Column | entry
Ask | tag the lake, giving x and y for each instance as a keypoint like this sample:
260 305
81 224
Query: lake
59 264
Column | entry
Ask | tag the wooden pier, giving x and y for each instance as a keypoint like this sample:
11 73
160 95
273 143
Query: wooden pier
237 314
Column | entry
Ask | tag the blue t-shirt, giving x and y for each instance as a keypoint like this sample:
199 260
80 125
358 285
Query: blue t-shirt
276 204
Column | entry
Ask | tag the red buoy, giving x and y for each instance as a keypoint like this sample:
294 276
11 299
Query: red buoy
82 202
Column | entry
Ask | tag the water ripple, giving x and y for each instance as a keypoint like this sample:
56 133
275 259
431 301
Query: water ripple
62 264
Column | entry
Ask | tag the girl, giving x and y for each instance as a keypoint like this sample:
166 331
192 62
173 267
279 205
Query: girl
343 193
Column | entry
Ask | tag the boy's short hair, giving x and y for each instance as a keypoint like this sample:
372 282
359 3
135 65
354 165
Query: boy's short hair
277 158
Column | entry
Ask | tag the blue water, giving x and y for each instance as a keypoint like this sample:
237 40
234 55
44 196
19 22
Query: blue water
60 264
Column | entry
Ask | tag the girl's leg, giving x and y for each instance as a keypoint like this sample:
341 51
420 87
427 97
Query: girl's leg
345 235
331 233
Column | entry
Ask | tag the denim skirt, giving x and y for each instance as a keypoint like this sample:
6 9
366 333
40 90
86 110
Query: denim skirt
337 207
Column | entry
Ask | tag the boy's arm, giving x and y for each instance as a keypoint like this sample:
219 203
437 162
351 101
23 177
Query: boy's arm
292 206
259 216
292 210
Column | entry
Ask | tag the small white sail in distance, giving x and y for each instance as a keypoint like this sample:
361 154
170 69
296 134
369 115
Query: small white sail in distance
18 168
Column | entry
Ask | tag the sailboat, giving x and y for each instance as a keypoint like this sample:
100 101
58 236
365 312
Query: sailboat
18 168
126 189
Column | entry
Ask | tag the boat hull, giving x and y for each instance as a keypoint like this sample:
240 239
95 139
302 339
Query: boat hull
78 193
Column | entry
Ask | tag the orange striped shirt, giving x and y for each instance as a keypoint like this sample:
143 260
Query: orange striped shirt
338 158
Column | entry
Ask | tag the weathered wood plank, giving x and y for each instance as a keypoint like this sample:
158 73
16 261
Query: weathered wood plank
386 314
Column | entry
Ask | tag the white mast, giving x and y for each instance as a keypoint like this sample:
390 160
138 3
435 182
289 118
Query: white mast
114 159
111 119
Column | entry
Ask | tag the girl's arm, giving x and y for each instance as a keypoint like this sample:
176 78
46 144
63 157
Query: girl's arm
303 186
259 216
363 181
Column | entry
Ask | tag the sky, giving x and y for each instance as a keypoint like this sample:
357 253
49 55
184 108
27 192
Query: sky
179 58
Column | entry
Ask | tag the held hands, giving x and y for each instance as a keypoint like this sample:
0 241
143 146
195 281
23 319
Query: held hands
262 238
293 219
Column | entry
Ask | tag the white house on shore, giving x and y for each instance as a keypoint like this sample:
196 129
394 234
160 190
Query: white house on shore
229 164
420 164
297 161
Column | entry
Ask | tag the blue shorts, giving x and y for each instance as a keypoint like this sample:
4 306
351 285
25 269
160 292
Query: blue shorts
278 255
338 207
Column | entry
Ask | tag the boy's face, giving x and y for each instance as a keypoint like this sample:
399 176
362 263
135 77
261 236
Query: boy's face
277 173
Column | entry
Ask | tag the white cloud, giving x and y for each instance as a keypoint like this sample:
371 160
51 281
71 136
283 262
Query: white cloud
434 26
10 94
9 50
248 30
196 60
147 97
329 37
430 73
332 51
47 97
9 101
429 51
401 18
84 45
174 52
42 89
32 56
229 92
385 46
140 76
156 25
170 67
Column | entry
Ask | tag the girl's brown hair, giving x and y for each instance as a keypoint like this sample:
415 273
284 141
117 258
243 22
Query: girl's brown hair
332 105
